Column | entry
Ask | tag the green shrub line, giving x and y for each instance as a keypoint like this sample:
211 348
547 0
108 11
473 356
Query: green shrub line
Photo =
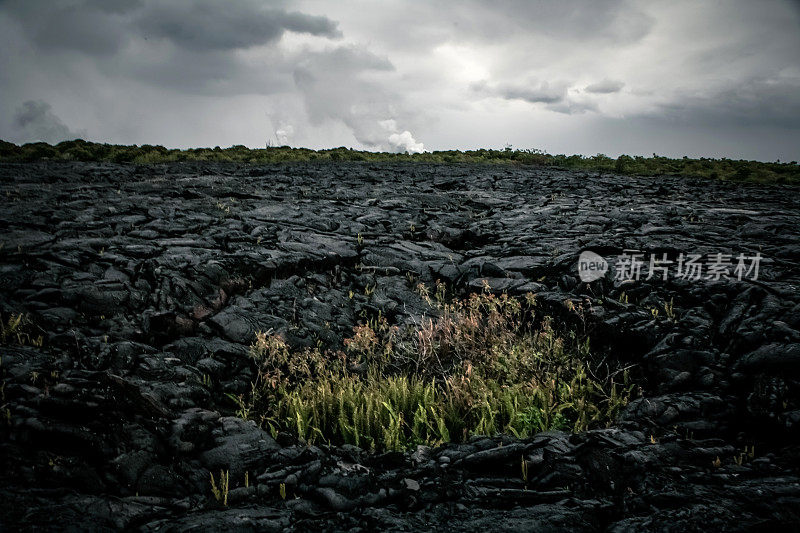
707 168
478 366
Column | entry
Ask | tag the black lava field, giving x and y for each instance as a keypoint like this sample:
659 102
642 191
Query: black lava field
130 296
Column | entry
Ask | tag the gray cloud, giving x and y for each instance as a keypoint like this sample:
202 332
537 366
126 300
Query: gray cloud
610 21
605 87
571 106
112 6
96 27
213 25
35 121
534 92
92 30
755 102
213 72
554 96
537 92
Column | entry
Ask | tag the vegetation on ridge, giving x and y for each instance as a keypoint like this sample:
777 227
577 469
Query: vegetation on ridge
725 169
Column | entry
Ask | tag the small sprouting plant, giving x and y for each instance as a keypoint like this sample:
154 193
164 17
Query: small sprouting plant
4 410
282 490
749 454
360 239
220 491
530 299
524 467
424 292
243 405
669 309
441 293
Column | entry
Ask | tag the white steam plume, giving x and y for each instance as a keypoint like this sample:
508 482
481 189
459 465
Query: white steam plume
401 142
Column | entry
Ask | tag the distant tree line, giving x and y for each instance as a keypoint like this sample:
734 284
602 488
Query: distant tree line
724 169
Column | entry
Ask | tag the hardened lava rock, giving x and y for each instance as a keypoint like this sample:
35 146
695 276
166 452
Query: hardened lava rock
143 286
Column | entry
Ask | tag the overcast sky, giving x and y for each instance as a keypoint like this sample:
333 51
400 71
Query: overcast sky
712 78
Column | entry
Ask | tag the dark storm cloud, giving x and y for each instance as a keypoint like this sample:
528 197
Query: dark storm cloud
90 27
36 121
224 25
213 72
605 87
96 27
113 6
756 102
182 45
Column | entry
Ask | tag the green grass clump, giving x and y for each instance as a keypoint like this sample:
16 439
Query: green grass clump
478 368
